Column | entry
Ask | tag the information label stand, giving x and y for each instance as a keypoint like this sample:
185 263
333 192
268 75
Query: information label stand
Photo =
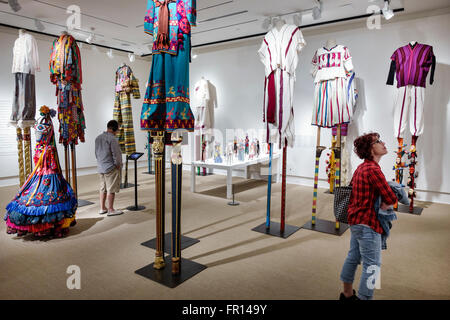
135 156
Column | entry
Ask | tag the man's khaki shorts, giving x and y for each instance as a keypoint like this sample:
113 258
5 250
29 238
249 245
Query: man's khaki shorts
110 182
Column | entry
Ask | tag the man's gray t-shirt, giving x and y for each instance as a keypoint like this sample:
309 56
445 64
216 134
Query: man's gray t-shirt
107 152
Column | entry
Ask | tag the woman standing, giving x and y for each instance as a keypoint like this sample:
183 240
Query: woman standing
368 183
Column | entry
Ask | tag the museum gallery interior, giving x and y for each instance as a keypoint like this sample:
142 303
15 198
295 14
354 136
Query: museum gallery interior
237 123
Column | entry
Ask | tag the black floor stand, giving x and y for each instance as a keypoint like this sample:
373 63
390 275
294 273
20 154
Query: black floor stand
82 203
186 242
188 269
135 156
233 203
274 229
405 209
326 226
126 186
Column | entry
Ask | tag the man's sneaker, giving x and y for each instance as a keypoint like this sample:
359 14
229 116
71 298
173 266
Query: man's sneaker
342 297
114 213
102 211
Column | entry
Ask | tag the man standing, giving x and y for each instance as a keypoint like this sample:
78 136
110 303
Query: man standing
109 163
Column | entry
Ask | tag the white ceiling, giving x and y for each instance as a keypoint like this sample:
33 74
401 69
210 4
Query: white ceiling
119 23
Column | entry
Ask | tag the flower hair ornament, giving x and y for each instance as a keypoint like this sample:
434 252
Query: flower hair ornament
44 110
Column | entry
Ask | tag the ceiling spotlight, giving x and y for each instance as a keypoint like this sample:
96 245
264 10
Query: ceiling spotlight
39 25
131 57
14 4
387 11
90 38
110 54
317 11
297 19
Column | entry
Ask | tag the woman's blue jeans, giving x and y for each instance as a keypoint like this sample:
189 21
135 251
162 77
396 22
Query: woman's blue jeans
365 247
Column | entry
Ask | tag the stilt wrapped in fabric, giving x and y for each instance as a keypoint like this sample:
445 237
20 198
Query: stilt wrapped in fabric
177 169
158 147
45 204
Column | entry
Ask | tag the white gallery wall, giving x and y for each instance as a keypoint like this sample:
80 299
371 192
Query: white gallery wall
237 76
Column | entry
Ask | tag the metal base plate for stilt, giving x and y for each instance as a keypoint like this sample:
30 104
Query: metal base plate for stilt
328 192
82 203
135 208
326 226
188 269
125 186
186 242
274 229
405 209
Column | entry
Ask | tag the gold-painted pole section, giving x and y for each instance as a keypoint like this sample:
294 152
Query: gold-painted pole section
158 148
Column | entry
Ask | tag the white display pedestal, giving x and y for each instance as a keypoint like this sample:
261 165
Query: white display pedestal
229 168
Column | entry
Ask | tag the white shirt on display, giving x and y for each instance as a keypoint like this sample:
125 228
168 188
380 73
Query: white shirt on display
25 55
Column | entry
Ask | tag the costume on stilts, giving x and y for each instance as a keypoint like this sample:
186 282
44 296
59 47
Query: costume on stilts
410 64
25 65
125 85
66 74
334 100
279 54
166 104
45 204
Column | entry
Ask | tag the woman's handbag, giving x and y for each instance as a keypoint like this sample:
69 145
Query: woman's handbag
341 201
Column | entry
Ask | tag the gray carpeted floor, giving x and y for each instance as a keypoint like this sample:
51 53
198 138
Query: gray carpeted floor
241 264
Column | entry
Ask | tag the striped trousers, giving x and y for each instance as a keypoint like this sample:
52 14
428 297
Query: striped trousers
124 116
409 104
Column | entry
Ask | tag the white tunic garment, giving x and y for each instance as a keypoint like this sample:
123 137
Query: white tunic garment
279 54
331 63
200 104
25 55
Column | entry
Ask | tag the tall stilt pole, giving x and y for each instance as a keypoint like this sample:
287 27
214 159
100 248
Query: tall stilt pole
331 168
283 192
66 162
204 152
74 169
398 167
177 168
269 186
158 148
125 180
319 150
27 147
20 156
412 173
337 155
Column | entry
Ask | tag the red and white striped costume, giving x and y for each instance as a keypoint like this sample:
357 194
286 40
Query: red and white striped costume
279 54
330 71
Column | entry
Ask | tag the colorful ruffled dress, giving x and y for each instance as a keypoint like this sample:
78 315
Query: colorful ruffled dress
45 204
